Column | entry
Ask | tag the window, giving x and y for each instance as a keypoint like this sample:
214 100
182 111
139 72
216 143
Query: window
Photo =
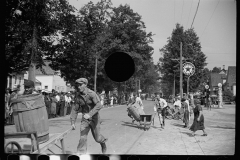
10 82
45 87
15 80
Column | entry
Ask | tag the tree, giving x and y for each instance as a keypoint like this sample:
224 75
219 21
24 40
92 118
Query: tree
191 51
27 25
216 70
99 31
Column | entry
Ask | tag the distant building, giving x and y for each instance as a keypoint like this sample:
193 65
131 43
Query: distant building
50 79
231 79
225 77
16 78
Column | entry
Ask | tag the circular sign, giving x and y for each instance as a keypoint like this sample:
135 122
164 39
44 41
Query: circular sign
219 84
140 90
188 69
207 87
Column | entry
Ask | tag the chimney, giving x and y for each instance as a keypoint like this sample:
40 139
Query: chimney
224 67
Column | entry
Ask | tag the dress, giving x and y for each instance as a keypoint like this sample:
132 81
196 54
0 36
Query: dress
186 113
197 125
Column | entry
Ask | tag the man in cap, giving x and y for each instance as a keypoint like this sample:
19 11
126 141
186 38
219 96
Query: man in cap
28 87
88 103
160 109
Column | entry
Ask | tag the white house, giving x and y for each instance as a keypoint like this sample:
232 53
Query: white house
16 78
50 79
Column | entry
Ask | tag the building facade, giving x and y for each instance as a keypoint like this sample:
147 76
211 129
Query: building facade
50 79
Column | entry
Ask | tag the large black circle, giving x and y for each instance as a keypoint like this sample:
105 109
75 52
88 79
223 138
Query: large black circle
119 66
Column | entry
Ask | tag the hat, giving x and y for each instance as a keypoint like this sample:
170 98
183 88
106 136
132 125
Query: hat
197 101
82 80
183 99
29 84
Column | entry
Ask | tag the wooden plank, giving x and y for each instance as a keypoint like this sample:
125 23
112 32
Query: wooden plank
54 138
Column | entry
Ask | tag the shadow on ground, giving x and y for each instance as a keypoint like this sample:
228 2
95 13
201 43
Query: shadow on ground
188 133
129 124
159 128
222 127
178 125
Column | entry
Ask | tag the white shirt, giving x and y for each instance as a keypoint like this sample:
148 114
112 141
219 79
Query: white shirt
67 99
139 101
58 98
162 103
178 103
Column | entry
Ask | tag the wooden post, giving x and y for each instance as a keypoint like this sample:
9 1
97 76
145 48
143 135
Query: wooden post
181 91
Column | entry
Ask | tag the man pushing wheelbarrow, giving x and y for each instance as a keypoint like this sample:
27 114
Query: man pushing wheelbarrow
136 113
135 108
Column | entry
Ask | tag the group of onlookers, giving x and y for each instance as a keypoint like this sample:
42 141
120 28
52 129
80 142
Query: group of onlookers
188 105
58 104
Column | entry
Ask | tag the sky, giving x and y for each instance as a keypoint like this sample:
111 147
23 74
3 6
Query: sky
214 24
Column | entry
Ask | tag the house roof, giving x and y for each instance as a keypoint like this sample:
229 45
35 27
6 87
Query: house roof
231 76
215 79
223 71
37 81
47 70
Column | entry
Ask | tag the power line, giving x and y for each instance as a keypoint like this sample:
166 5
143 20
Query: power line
182 12
195 13
189 13
210 18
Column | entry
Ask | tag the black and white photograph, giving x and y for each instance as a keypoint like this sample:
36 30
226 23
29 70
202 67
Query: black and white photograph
120 78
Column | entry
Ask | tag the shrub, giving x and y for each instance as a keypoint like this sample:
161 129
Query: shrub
228 95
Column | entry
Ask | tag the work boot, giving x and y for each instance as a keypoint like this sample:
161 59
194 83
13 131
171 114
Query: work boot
104 147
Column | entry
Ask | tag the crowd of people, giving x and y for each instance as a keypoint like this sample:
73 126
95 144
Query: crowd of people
183 110
58 104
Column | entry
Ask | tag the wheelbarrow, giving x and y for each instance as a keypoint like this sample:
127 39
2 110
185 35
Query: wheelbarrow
145 121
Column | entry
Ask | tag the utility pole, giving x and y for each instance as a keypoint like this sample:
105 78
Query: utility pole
181 94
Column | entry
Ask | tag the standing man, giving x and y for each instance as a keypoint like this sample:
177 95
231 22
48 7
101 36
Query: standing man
186 110
57 104
139 101
88 103
159 108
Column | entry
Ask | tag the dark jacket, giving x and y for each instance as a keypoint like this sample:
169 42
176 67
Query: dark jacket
87 103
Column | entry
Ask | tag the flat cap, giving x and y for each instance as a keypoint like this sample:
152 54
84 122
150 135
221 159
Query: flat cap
29 83
82 80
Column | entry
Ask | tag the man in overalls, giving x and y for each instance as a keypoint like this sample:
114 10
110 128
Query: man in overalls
88 103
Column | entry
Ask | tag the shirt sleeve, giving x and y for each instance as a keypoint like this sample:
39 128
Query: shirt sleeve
96 102
164 103
74 113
